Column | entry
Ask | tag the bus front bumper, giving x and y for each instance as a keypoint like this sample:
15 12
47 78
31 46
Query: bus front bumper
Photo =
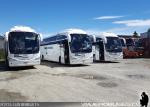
81 61
116 57
13 63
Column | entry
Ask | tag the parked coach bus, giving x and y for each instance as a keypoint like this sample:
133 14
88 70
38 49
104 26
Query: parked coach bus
107 47
22 45
72 46
134 48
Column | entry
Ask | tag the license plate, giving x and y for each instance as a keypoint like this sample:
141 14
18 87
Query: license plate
113 53
25 62
77 54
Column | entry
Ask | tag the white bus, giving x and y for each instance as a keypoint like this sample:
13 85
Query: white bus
72 46
22 47
107 47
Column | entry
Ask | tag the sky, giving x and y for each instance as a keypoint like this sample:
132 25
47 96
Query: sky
94 16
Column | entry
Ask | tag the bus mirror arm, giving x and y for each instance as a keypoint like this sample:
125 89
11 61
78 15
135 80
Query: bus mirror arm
94 43
69 43
64 42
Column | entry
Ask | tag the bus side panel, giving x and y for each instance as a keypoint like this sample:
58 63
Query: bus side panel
53 52
57 52
62 54
97 54
94 52
43 52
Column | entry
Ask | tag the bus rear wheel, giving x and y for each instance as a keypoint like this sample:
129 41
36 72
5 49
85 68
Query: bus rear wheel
60 60
94 58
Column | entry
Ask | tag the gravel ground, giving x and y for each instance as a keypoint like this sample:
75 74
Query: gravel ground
121 81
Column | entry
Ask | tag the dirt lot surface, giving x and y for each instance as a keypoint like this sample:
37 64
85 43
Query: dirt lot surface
98 82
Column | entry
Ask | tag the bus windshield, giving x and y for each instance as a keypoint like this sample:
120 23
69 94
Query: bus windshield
113 44
139 44
81 43
23 43
129 42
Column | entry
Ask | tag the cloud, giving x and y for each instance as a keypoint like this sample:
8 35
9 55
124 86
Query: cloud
93 31
123 30
22 28
119 30
137 23
107 17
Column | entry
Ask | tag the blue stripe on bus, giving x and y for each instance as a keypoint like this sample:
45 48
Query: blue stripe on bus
50 43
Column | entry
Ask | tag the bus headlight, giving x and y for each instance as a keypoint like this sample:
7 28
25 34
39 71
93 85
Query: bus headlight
38 58
73 57
11 59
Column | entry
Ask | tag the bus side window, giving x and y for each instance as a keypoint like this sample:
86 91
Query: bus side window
58 39
61 38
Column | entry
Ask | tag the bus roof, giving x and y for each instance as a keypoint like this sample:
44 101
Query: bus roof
22 29
68 31
107 34
104 35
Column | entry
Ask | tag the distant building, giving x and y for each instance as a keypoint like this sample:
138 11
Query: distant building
2 53
128 36
1 42
132 50
146 43
125 36
145 35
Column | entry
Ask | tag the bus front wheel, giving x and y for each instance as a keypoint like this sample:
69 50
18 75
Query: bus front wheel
42 58
7 64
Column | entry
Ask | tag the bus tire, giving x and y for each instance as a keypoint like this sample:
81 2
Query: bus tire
7 64
59 59
42 58
94 58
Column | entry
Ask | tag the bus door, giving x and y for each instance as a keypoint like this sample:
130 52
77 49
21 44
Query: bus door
66 52
97 52
101 50
46 54
62 53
